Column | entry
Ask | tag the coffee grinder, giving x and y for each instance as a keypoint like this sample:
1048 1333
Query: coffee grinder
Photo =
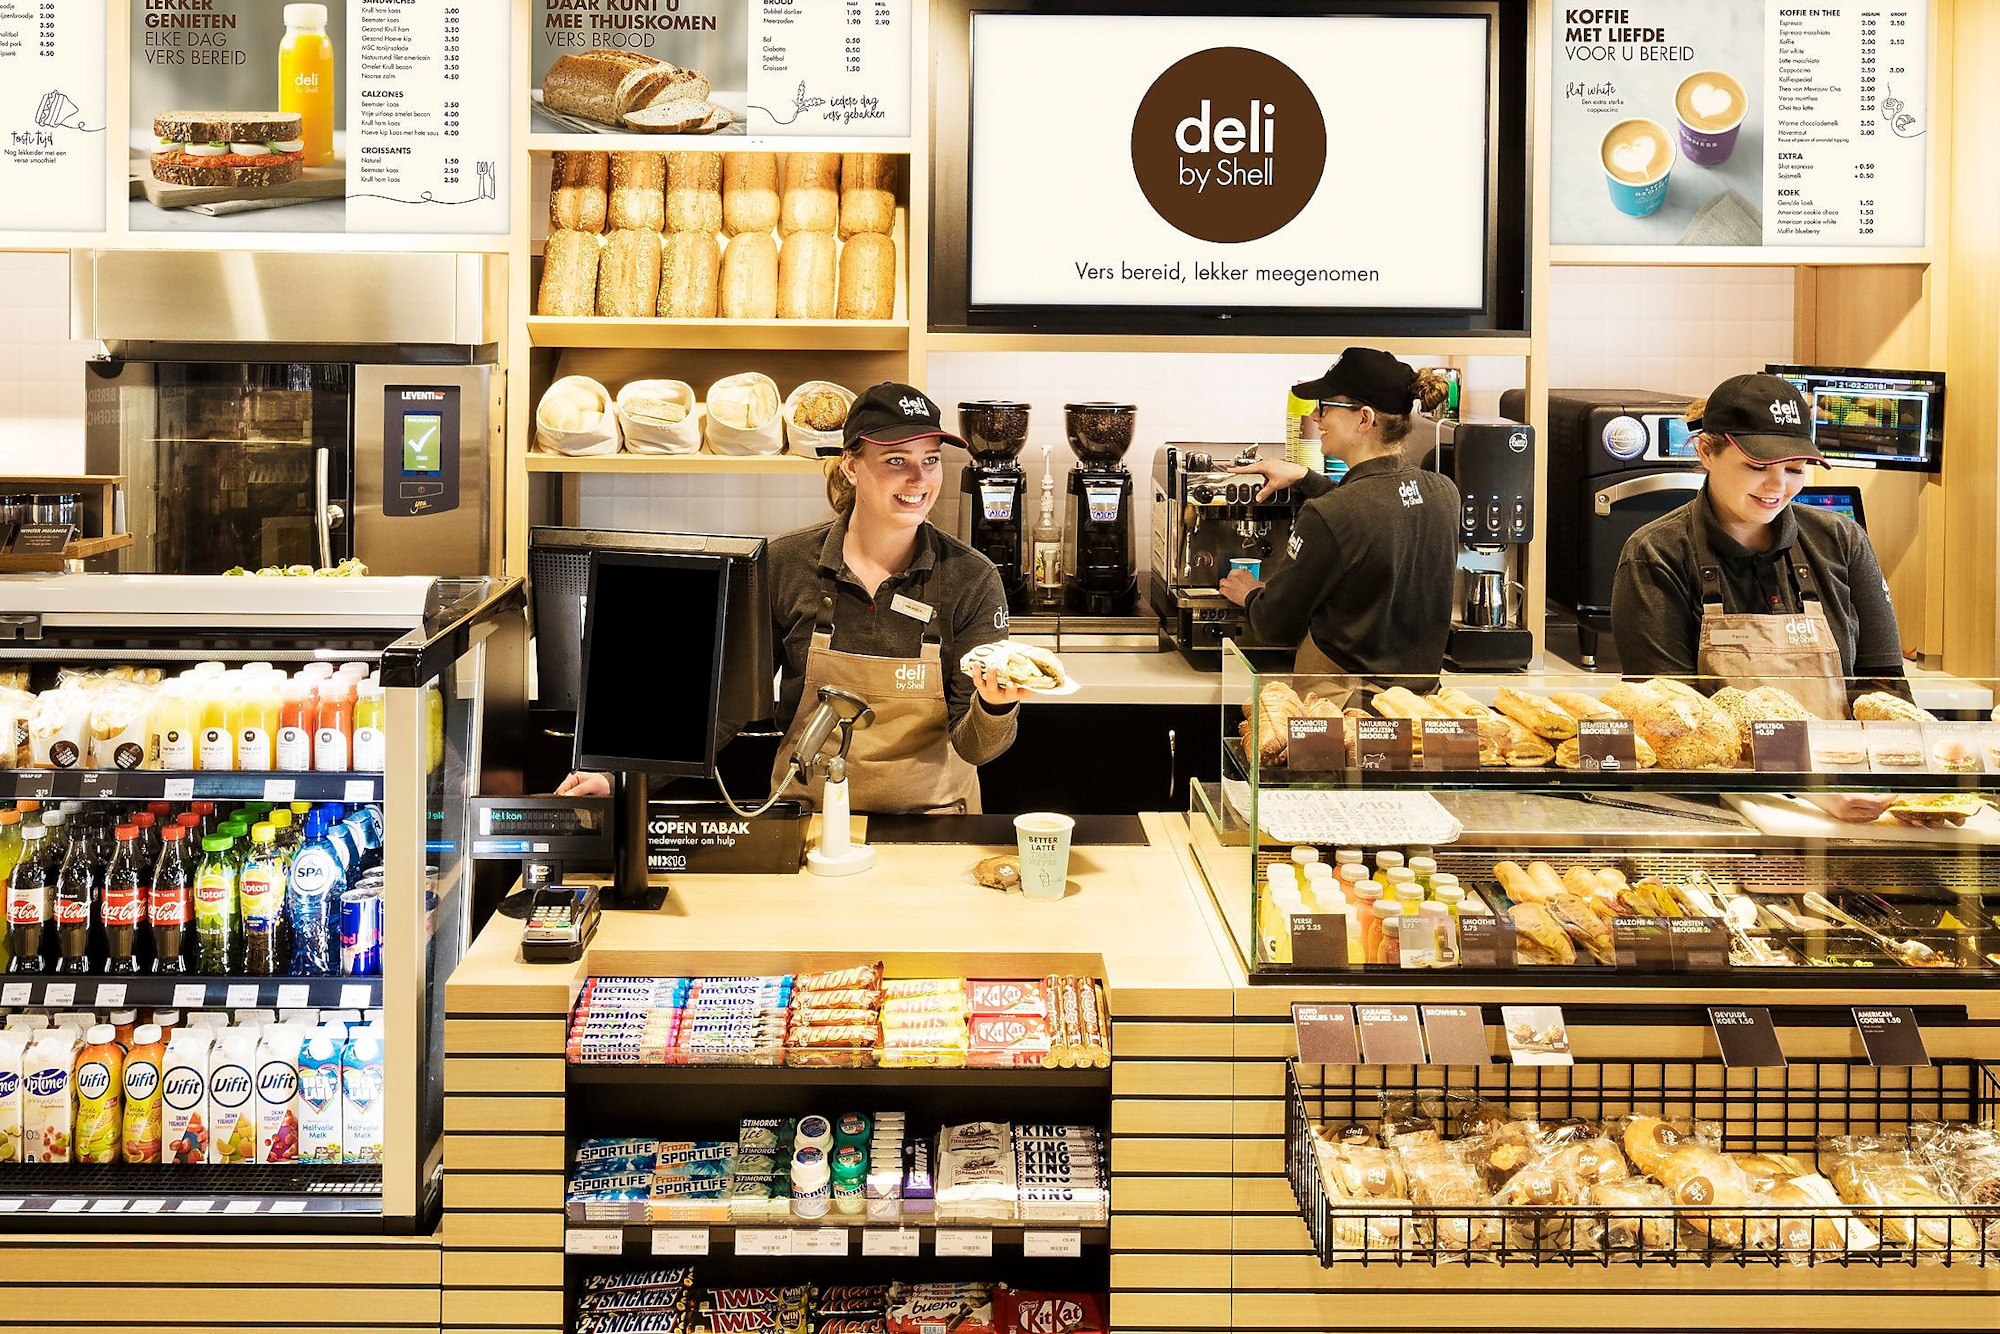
995 488
1100 580
1492 461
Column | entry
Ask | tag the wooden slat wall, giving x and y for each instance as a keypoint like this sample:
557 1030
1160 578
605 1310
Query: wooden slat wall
504 1162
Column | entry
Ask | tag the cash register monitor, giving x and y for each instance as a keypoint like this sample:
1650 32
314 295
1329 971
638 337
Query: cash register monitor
1873 418
652 667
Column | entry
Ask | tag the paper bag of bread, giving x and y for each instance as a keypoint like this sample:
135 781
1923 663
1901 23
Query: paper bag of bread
1896 1193
59 729
1446 1178
659 417
118 713
815 412
744 416
577 417
17 705
1638 1214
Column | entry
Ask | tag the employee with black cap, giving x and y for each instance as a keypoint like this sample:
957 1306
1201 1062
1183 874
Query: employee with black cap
1367 589
1742 586
879 603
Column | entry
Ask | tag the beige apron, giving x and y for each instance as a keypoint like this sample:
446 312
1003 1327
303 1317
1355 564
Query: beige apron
1794 651
1314 672
903 762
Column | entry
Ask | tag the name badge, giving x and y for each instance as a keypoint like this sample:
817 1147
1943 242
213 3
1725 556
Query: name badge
1742 638
910 607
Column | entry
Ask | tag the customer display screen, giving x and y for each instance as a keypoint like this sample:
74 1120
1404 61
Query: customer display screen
652 662
1883 419
1839 499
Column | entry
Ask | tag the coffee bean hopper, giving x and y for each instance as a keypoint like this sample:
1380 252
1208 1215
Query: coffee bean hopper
995 488
1100 580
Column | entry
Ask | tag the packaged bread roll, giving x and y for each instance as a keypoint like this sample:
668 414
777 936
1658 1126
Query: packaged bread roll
688 267
579 191
628 275
867 193
638 192
867 278
749 281
694 192
749 192
807 264
811 202
1696 1175
569 274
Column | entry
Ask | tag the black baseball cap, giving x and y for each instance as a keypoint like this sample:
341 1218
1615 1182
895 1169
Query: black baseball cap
1367 375
890 413
1765 416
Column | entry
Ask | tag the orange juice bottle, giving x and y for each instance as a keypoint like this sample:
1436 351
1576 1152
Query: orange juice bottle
305 81
333 739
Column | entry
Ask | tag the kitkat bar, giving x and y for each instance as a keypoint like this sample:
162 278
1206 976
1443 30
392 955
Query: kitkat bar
1024 996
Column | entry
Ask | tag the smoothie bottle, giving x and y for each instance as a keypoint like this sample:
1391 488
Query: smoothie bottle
305 80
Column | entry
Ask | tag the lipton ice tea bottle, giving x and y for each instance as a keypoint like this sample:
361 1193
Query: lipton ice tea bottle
305 80
143 1064
100 1096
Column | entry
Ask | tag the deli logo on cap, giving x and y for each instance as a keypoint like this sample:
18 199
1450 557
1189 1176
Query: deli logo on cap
1784 412
1228 144
916 407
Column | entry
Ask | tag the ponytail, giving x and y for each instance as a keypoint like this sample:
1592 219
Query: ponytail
839 490
1431 389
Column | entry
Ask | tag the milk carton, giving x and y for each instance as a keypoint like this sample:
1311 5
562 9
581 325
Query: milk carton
232 1102
278 1093
361 1097
48 1102
12 1048
184 1125
319 1096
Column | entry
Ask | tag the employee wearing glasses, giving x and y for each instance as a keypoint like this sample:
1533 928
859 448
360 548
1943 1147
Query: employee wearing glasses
1366 590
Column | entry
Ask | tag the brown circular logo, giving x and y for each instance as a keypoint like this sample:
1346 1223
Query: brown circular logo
1228 144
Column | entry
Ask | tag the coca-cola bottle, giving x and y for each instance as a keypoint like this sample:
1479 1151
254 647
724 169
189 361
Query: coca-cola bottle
28 904
77 888
170 901
124 904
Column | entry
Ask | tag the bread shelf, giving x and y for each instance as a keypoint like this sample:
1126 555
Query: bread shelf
828 336
792 464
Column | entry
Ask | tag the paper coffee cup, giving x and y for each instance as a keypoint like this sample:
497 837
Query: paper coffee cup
1710 107
1044 846
1638 160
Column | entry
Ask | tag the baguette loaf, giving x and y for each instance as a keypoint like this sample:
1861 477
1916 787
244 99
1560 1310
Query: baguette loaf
867 193
638 192
579 191
811 201
569 274
867 278
749 280
694 192
688 264
628 277
749 192
807 265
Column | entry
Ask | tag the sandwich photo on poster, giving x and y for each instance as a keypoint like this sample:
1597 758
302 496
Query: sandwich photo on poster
237 115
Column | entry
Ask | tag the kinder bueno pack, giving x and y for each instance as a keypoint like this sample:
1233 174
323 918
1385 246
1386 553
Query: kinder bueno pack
232 1101
319 1104
361 1098
13 1046
48 1101
184 1121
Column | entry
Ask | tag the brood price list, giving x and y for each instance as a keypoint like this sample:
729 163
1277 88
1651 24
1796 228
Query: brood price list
832 67
429 101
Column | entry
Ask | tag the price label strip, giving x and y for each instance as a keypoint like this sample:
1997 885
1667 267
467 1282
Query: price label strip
1060 1245
964 1241
900 1243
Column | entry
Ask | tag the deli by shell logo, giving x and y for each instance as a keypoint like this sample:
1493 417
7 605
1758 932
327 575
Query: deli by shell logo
1228 144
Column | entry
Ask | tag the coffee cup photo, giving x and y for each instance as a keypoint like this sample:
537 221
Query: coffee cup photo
1710 106
1638 159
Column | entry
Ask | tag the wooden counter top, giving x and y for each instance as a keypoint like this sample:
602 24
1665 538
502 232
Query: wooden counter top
1133 913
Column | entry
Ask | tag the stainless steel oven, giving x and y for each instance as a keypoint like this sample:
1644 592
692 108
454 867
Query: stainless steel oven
296 409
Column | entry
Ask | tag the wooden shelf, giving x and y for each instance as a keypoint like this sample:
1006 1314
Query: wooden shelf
81 549
1446 344
831 337
1001 1077
639 1236
783 464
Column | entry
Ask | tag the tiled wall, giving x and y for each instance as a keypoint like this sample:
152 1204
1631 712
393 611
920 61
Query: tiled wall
41 369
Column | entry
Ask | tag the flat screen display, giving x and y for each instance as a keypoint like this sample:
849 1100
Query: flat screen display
423 444
1676 439
1302 161
1883 419
1838 499
652 662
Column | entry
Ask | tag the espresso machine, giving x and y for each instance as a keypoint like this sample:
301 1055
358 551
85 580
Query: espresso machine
1099 577
995 489
1206 522
1492 462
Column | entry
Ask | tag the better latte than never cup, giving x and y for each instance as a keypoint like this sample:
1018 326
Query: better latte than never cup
1044 846
1638 160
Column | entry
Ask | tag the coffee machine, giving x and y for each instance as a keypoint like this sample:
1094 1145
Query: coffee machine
1492 462
996 488
1099 579
1206 522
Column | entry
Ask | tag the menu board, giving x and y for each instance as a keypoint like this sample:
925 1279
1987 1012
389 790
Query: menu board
52 116
388 117
1685 122
724 67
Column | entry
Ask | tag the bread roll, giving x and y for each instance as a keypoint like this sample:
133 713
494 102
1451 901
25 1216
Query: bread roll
1579 705
749 192
807 264
638 192
1543 716
688 264
694 192
867 278
867 194
811 202
579 191
749 281
1649 1142
628 276
1698 1175
569 274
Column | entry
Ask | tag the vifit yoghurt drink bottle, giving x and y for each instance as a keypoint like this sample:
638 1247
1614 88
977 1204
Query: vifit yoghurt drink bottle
140 1141
184 1125
100 1096
278 1094
231 1100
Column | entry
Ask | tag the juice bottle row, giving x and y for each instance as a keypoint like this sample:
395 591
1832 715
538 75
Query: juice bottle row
302 1087
220 890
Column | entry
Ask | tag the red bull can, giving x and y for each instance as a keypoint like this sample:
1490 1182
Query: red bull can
360 933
